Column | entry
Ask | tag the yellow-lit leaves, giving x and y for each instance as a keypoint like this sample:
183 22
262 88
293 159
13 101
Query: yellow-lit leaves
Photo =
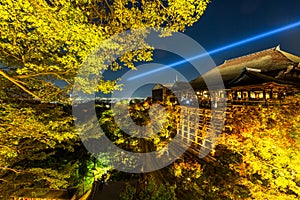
268 141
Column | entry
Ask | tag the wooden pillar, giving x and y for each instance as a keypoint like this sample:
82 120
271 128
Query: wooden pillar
235 95
271 94
188 124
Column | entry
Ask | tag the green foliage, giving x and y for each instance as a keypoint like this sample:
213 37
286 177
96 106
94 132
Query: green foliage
269 152
258 159
45 40
50 39
95 170
139 113
149 189
36 146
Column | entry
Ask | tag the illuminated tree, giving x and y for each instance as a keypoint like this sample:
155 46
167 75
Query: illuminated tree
45 41
258 159
266 148
37 147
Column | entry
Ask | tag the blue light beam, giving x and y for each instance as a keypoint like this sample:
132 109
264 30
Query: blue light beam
217 50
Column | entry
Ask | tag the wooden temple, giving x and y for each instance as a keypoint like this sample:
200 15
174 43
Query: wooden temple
266 78
261 77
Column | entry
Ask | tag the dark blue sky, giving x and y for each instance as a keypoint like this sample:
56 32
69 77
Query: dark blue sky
227 21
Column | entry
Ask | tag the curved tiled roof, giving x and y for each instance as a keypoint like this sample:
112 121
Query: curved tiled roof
270 62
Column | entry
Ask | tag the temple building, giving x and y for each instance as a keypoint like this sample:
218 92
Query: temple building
264 76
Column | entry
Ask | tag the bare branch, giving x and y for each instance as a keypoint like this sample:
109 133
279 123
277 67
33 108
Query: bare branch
18 84
39 74
1 179
14 170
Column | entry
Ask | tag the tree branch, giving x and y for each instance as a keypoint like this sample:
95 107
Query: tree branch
18 84
13 170
4 180
40 74
9 54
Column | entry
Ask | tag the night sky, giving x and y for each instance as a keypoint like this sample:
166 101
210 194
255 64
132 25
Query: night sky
227 21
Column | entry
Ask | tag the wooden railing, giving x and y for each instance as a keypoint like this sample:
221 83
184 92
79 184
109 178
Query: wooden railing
200 127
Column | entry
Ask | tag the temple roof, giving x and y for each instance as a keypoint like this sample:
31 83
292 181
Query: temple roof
160 86
271 65
176 86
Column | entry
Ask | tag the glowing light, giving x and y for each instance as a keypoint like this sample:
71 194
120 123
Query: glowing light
217 50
